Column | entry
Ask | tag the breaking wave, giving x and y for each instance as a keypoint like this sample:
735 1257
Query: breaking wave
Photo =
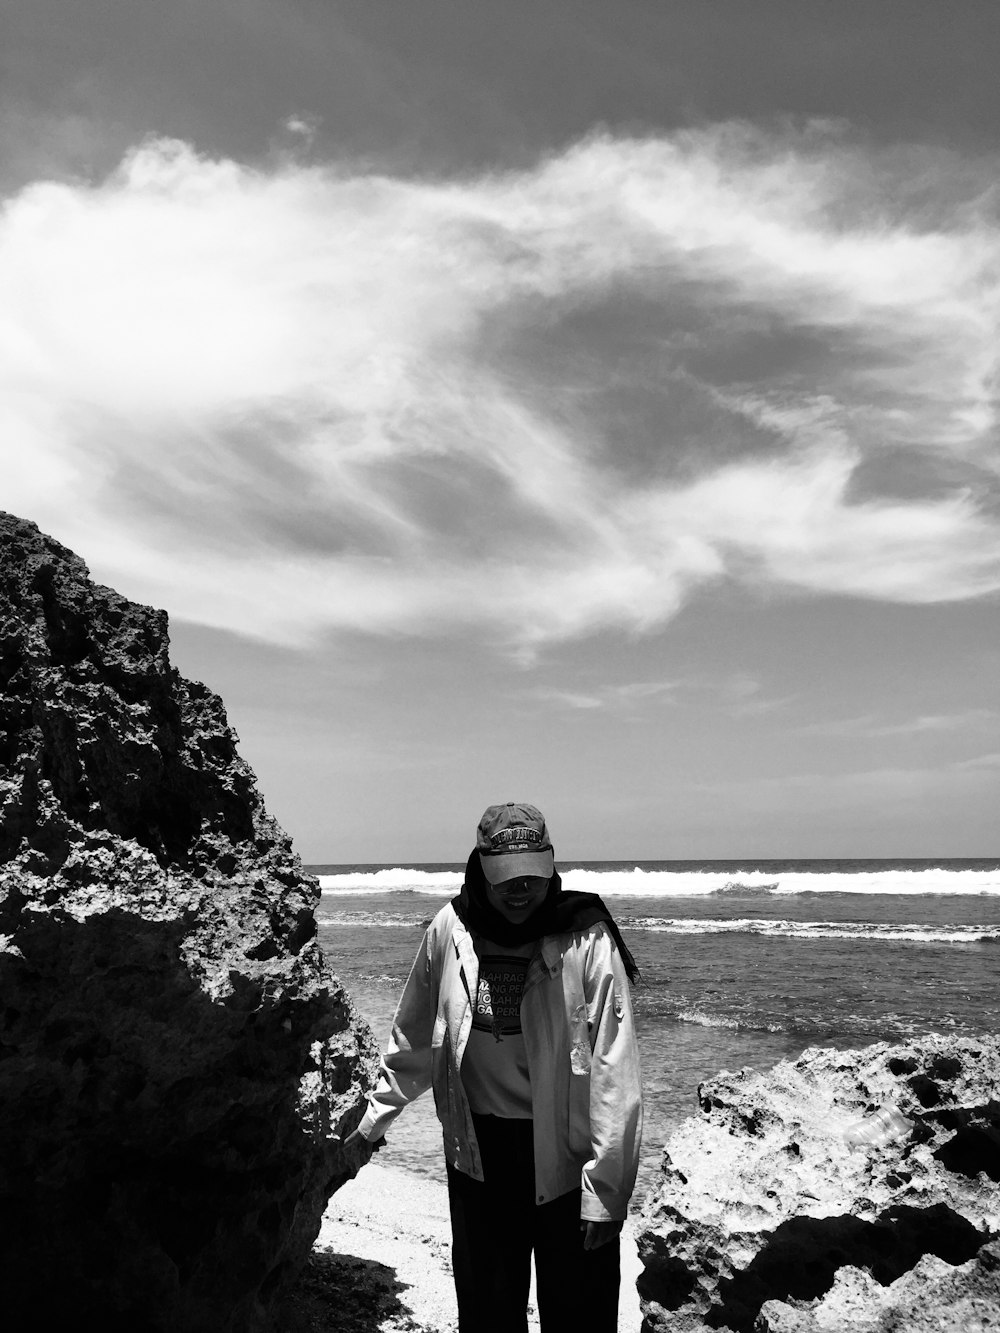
637 881
884 932
820 930
724 1021
394 880
701 883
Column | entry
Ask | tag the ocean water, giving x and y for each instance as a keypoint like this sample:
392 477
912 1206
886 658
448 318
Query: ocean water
743 964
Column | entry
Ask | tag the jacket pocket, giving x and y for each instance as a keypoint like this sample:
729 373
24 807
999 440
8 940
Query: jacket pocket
440 1080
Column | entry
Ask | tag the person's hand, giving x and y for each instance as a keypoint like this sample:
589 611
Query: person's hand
599 1233
356 1134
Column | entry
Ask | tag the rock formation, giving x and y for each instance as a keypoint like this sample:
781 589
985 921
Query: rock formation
772 1218
176 1061
933 1297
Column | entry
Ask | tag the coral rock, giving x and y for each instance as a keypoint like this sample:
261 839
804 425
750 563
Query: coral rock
177 1064
790 1206
933 1297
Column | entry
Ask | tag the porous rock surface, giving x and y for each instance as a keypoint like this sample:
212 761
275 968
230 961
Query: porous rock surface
933 1297
769 1220
176 1060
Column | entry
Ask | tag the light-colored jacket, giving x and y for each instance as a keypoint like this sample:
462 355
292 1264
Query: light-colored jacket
583 1060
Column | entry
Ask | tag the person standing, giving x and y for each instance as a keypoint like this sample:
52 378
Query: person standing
518 1013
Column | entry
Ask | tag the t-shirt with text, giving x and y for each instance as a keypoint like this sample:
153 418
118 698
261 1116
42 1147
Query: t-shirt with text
495 1064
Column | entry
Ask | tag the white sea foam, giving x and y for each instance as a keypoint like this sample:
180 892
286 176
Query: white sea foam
724 1021
395 880
689 883
701 883
819 930
382 919
909 932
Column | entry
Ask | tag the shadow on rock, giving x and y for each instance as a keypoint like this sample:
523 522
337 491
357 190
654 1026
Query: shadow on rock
804 1254
178 1066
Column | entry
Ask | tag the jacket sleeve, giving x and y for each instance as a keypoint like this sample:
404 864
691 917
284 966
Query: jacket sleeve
406 1065
608 1178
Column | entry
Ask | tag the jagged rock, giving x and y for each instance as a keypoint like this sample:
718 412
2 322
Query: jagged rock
175 1057
764 1202
933 1297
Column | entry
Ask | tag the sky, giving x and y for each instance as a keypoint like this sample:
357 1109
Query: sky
581 403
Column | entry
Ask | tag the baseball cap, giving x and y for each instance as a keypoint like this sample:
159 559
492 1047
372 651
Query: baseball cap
512 840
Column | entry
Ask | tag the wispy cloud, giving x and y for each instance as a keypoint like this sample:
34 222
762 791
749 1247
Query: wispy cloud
733 694
291 399
868 726
989 763
888 789
605 696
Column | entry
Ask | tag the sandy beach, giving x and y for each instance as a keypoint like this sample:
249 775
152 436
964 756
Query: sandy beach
382 1261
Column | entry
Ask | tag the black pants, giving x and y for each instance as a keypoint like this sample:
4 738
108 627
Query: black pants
496 1225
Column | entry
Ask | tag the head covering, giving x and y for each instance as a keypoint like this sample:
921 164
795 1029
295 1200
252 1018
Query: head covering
512 842
560 912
